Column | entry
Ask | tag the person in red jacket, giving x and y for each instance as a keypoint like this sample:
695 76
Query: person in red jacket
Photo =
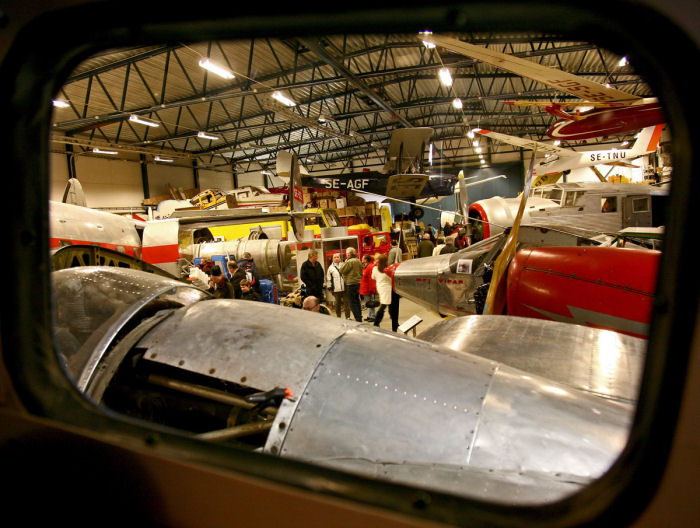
368 287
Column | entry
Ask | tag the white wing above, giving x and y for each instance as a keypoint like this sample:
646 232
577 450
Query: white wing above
546 148
560 80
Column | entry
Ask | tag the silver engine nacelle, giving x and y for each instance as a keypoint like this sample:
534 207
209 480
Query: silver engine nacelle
270 256
363 399
491 216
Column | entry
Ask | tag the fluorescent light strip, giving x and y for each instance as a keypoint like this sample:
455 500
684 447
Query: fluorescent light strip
215 68
207 136
60 104
445 77
99 151
136 119
167 160
283 99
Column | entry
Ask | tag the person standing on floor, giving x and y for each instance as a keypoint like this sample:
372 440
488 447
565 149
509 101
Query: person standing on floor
368 287
395 252
336 285
383 287
426 246
351 270
312 275
394 257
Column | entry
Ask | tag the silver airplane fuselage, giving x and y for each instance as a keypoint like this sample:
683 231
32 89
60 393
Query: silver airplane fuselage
359 399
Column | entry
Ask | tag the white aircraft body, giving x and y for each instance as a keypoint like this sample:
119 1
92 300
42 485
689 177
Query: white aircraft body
561 159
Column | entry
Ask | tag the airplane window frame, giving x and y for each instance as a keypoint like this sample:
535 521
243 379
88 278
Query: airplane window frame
27 342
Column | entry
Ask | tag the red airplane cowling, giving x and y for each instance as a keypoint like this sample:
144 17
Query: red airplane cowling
607 122
610 288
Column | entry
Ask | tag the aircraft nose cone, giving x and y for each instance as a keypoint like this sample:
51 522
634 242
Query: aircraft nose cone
389 270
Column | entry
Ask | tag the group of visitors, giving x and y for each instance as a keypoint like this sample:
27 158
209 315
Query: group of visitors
352 282
243 281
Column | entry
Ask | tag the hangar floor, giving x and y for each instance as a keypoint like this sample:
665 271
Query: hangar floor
408 309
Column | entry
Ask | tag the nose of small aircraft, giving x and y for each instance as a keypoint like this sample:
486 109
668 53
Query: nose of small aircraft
389 270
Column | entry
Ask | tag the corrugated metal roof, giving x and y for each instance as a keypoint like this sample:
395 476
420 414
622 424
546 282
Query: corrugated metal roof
367 84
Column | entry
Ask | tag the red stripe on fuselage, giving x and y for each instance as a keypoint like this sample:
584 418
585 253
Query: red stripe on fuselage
160 254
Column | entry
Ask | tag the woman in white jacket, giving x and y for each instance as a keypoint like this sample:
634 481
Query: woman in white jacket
336 285
383 287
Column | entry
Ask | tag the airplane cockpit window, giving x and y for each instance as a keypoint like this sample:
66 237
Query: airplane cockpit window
519 382
572 198
552 194
640 205
608 204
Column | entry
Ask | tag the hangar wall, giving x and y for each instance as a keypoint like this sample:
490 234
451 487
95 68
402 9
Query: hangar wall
118 183
110 183
215 179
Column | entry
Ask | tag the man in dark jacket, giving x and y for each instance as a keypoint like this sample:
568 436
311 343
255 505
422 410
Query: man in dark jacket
219 285
425 248
449 246
312 275
237 275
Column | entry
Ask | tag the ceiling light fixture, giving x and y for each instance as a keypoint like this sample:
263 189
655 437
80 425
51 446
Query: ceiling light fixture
445 77
100 151
60 104
623 62
136 119
457 103
207 64
166 160
204 135
427 44
284 99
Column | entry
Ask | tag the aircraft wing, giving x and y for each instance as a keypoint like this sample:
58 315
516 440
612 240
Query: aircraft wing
560 80
594 366
399 186
199 219
406 146
547 148
406 185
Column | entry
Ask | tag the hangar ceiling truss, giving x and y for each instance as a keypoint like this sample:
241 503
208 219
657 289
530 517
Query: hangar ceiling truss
351 92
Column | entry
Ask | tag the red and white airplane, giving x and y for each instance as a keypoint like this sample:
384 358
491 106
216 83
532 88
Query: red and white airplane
613 111
559 159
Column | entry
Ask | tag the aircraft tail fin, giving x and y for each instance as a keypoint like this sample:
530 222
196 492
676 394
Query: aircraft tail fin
648 140
284 166
73 193
296 198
